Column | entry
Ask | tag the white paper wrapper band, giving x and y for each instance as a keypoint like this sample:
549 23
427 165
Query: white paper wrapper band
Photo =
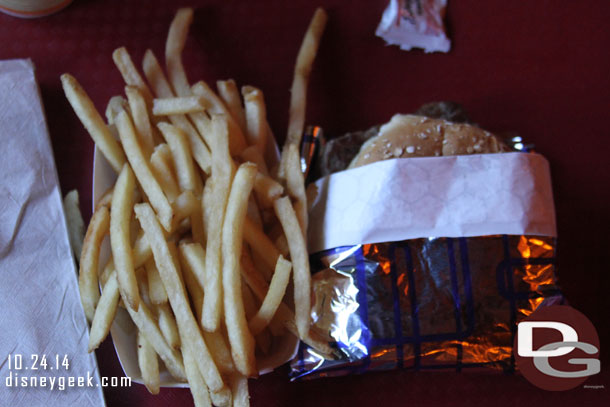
456 196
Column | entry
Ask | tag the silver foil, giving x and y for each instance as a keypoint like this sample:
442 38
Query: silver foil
430 303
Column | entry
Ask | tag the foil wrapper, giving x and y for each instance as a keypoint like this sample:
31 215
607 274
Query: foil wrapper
425 304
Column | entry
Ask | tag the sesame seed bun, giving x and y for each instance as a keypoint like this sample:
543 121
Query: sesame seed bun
419 136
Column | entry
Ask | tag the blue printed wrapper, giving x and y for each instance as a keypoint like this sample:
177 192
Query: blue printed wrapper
426 304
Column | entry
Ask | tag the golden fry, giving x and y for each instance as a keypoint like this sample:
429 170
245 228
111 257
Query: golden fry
142 170
267 190
193 257
178 105
253 155
194 288
221 178
93 122
199 390
156 290
302 69
215 341
106 199
176 38
114 106
220 351
242 342
222 398
139 112
104 313
300 264
167 325
161 165
295 184
239 388
130 74
141 251
185 204
120 243
188 177
256 117
274 296
149 364
260 243
90 254
155 76
227 90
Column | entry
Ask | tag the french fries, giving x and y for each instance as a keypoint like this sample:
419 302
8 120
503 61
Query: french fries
300 264
142 170
237 141
87 279
114 106
196 169
190 334
130 74
161 165
179 105
199 390
188 178
139 112
149 364
156 290
256 117
260 243
167 325
147 325
93 122
176 38
194 257
272 300
156 77
302 69
221 184
121 209
242 342
295 184
104 313
239 389
229 94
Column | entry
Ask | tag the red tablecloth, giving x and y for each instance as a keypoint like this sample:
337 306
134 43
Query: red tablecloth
540 68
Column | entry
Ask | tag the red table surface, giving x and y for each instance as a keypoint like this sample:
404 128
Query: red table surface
540 68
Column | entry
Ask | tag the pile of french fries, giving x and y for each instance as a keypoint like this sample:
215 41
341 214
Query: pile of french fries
206 222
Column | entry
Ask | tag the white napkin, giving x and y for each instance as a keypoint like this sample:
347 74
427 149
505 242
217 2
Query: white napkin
40 310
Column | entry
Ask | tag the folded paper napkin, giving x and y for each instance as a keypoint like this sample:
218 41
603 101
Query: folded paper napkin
43 330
